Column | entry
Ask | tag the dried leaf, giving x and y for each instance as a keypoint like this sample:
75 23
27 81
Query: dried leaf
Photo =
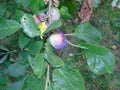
85 10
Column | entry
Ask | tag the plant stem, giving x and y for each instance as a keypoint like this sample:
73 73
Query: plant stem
47 77
71 34
50 9
74 45
48 67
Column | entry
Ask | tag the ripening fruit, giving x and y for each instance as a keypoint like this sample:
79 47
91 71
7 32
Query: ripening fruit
58 41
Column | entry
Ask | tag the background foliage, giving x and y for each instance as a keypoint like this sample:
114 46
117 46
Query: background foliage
23 60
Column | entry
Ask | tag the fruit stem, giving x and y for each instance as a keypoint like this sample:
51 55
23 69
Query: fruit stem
71 34
74 45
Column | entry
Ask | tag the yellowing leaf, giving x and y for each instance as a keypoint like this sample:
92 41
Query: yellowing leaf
42 26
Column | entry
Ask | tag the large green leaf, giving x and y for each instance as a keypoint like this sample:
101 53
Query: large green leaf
66 78
23 40
34 47
8 27
88 33
99 59
29 26
53 59
34 83
16 69
36 5
54 25
38 64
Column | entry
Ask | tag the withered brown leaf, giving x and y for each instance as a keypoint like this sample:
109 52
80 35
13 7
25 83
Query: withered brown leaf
85 10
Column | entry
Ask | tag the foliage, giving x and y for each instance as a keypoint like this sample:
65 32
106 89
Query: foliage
34 63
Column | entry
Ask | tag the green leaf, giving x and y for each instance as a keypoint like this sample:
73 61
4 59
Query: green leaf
99 59
29 26
3 48
34 47
70 4
54 25
53 59
2 9
64 12
96 3
3 80
79 1
8 27
16 70
3 59
38 64
88 33
18 15
34 83
24 3
36 5
16 86
23 40
67 78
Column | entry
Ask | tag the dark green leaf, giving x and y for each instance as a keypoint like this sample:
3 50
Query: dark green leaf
36 5
70 4
16 86
24 3
3 58
38 64
53 59
54 25
3 48
2 9
99 59
66 78
23 40
64 12
18 15
34 47
29 26
16 69
34 83
88 33
3 80
8 27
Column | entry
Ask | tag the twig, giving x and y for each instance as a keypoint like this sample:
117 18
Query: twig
47 78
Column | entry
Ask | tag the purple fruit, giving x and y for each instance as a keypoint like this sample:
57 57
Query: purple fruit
58 41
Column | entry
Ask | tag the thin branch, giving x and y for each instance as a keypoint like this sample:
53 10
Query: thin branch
47 77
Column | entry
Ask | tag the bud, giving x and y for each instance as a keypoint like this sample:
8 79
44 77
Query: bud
58 41
43 17
37 20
